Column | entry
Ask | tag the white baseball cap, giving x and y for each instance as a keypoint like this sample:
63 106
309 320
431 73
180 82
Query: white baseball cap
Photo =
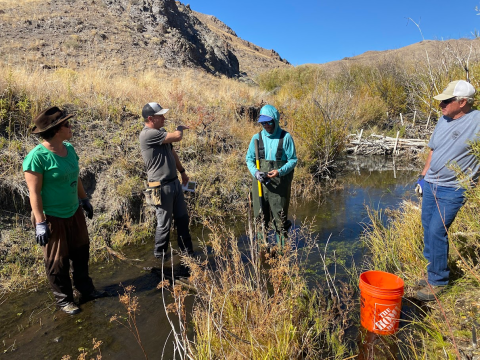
456 88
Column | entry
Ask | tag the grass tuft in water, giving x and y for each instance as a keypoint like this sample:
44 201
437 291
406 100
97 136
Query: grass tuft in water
257 305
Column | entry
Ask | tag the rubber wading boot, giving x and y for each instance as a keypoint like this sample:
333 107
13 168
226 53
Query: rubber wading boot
166 256
70 309
429 292
262 242
183 271
96 294
280 241
421 283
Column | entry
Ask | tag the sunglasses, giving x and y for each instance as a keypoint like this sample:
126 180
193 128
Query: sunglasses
269 123
66 124
448 101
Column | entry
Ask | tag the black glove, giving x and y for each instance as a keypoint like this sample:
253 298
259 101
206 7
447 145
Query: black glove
262 177
87 207
42 233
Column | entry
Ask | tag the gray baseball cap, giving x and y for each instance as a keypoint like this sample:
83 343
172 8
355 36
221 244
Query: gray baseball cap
153 108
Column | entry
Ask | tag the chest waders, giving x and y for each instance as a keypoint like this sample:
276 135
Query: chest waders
273 205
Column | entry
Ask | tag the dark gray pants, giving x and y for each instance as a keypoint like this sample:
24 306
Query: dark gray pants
173 205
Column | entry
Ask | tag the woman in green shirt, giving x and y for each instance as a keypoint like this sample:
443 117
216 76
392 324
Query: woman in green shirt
52 175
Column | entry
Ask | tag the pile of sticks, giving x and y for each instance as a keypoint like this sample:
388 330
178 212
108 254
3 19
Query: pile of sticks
383 145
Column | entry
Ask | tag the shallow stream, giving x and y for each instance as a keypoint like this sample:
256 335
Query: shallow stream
31 327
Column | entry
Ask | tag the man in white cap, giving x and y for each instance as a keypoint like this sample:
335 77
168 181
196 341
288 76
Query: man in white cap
162 164
444 193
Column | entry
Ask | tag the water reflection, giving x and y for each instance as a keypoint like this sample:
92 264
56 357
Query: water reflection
342 211
340 216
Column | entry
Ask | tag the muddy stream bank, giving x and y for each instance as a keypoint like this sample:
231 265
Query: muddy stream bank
32 328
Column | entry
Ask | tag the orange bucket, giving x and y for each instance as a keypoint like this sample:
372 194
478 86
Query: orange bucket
380 301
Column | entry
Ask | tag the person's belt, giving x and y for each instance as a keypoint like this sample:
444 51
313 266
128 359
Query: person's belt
163 182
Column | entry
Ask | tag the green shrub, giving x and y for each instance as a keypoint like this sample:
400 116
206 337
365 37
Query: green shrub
320 130
370 111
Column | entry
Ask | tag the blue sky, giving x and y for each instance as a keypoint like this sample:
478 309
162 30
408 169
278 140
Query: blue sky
319 31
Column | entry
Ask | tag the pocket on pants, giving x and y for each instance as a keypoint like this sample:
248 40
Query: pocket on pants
153 196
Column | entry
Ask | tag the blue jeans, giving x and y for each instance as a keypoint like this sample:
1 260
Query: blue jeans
440 205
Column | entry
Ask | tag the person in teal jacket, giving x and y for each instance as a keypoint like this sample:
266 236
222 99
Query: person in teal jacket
277 158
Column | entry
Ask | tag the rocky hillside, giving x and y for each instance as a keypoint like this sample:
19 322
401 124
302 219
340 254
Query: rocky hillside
252 58
128 35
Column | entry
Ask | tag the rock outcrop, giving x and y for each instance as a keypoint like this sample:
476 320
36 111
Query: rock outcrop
181 39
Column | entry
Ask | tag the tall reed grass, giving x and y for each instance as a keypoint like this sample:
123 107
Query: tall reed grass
258 306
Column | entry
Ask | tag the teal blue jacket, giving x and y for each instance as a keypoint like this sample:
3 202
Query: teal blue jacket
270 142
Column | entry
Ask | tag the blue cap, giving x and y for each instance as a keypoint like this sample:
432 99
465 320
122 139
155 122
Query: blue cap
264 118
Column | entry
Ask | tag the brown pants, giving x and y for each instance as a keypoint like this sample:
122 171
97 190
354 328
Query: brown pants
67 246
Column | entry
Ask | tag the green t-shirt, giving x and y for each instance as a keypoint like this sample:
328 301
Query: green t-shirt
60 179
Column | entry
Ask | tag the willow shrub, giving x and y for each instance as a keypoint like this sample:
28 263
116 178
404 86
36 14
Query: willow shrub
370 111
390 82
387 82
320 130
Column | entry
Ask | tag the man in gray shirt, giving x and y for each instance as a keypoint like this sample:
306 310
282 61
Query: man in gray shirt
443 193
162 163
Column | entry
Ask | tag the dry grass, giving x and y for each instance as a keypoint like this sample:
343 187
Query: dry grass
21 259
86 353
5 4
246 307
130 302
397 247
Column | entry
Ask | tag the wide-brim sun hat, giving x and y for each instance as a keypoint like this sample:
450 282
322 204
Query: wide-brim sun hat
456 88
49 118
152 109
